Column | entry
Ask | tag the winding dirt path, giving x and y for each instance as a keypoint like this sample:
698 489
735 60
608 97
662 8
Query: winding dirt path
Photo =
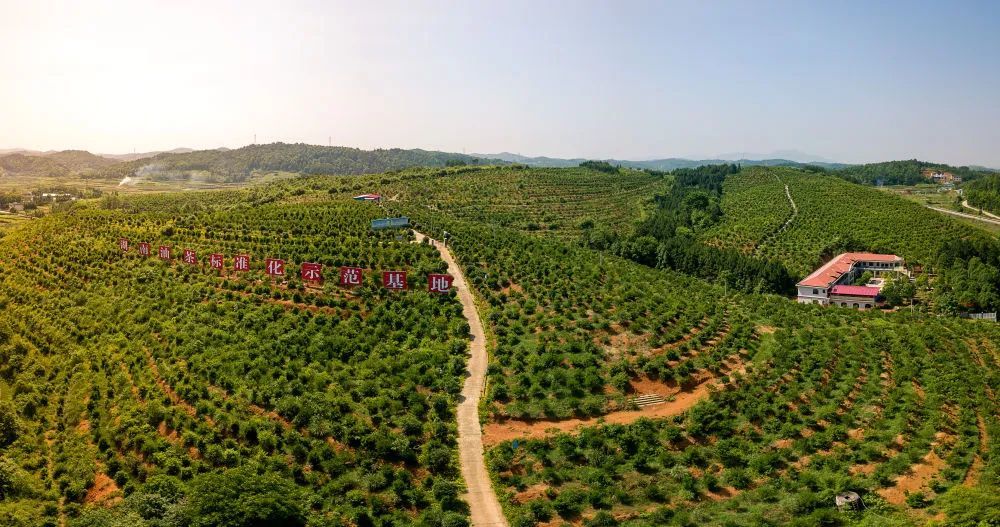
795 212
483 504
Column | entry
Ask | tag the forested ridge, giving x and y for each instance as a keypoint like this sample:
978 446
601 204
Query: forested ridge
909 172
55 164
235 399
239 164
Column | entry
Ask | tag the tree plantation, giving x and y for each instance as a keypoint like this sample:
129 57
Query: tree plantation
646 365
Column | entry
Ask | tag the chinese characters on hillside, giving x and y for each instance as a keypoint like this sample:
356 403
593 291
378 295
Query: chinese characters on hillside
308 271
394 280
350 276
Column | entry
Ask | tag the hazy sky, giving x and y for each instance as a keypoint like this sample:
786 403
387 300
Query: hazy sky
850 81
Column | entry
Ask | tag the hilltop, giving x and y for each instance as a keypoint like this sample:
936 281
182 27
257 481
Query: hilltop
239 164
57 164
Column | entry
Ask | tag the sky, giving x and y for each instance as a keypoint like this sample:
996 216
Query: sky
845 81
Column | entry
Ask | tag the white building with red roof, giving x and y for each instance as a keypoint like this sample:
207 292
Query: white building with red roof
831 283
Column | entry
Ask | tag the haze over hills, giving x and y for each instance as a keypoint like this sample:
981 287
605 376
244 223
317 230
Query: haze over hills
223 165
143 155
670 163
236 165
55 164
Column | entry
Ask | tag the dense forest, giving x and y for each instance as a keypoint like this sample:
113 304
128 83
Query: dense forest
237 165
984 193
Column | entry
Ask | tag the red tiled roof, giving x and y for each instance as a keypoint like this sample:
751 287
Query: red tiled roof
854 290
831 271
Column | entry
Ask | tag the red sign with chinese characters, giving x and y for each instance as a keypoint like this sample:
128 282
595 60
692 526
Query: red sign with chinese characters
123 244
144 249
394 280
215 260
190 257
164 252
274 267
350 276
311 272
439 283
241 262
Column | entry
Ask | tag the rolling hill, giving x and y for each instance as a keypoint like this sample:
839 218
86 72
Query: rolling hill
239 164
616 393
54 164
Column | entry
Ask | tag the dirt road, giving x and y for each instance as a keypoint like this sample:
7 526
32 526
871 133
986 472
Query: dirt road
483 503
984 213
964 215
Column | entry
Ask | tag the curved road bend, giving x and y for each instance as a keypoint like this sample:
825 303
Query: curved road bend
965 203
964 215
483 503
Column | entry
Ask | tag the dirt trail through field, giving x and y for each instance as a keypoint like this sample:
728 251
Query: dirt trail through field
965 203
964 215
682 401
795 212
483 504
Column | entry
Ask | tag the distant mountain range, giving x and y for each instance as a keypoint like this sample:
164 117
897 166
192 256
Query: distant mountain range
236 165
144 155
665 164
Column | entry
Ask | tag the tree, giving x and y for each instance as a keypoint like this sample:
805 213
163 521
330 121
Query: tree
242 497
10 426
898 289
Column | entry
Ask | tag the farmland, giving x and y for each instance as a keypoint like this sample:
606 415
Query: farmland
833 216
127 368
616 393
555 202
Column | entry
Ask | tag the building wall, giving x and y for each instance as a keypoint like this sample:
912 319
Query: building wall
813 295
863 302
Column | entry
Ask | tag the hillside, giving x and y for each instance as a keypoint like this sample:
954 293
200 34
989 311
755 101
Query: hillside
833 216
556 202
319 389
616 393
55 164
909 172
237 165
